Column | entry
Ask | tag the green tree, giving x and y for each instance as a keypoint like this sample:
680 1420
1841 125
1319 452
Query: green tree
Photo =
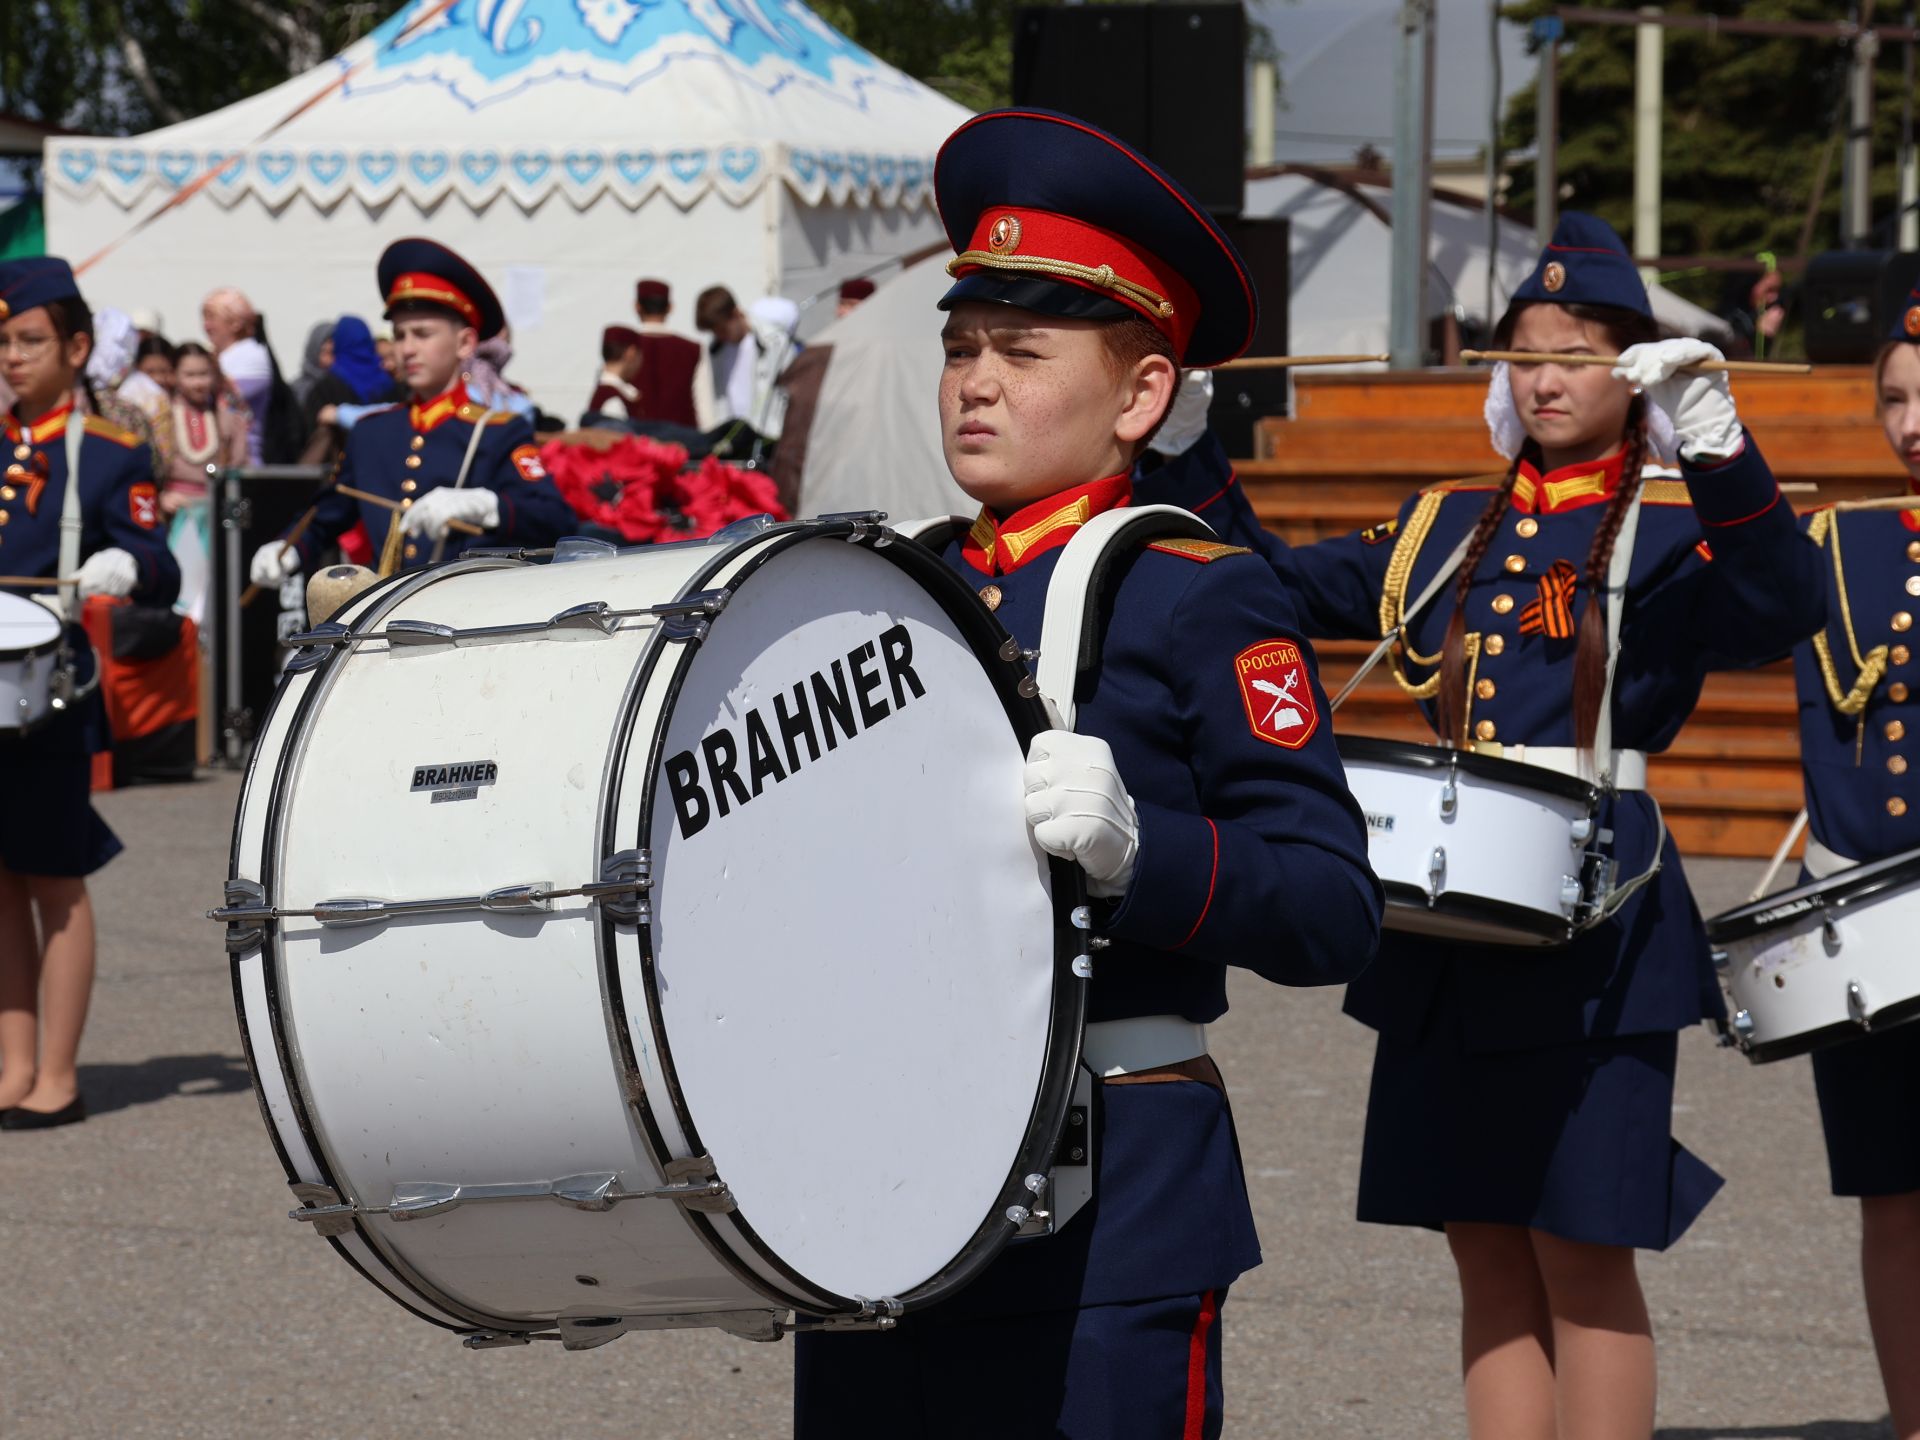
1748 120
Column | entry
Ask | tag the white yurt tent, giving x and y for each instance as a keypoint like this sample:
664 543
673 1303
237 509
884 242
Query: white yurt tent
566 147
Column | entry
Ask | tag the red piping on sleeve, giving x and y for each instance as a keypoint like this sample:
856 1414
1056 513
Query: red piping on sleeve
1196 1426
1232 480
1212 879
1745 519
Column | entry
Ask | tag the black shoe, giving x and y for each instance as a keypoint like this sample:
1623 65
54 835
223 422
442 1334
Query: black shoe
21 1118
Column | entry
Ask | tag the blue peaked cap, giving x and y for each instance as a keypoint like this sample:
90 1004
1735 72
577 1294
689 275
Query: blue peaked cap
34 281
1585 263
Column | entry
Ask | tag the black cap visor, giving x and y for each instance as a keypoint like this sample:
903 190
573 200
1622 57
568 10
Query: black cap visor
1036 293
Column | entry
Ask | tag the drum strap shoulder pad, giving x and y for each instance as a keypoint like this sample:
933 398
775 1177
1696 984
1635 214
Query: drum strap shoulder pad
1070 628
936 532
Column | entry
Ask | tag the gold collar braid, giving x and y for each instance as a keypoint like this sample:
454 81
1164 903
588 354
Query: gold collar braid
1101 277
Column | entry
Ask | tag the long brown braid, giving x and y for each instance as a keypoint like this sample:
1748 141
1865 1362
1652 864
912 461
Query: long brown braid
1623 328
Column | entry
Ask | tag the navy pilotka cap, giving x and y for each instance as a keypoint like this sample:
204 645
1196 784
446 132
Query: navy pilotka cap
1049 213
1906 319
425 272
34 281
1585 263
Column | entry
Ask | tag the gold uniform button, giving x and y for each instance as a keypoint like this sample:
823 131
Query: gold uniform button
6 492
1900 655
16 472
1913 584
413 462
1502 604
1897 764
418 442
1897 692
1495 644
1484 730
1896 730
5 516
1896 807
990 596
1902 621
411 551
23 452
406 504
409 485
1516 564
1528 528
1484 689
1913 550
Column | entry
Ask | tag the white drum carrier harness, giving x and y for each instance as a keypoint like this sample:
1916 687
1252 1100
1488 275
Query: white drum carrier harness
1070 635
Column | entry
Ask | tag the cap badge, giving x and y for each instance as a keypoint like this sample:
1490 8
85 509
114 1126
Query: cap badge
5 310
1554 277
1004 237
1911 323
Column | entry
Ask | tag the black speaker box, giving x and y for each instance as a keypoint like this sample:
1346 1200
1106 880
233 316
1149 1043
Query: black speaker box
1167 79
1850 301
1242 398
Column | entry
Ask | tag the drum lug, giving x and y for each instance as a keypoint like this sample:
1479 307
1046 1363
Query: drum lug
1858 1010
312 647
494 1339
696 1185
1449 798
863 525
1743 1027
321 1208
1830 933
1581 830
1722 961
625 877
246 901
1436 873
588 1332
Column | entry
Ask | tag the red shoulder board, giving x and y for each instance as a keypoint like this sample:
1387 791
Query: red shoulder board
526 459
1379 534
1277 692
143 503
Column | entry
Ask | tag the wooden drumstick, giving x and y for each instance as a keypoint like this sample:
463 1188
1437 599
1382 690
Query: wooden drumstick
1295 362
1734 367
247 595
28 582
385 504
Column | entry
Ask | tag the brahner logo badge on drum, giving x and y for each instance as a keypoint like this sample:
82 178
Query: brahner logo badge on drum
1278 693
454 782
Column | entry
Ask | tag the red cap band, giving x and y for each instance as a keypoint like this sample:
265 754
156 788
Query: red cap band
432 290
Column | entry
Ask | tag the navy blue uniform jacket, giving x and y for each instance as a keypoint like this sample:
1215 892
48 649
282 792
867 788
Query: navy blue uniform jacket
1863 797
406 450
1721 578
119 505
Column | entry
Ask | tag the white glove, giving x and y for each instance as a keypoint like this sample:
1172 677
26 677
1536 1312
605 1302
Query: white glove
268 570
1186 419
108 572
1700 402
1079 810
432 512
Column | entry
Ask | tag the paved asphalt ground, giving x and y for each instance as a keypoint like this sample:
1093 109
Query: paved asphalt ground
151 1286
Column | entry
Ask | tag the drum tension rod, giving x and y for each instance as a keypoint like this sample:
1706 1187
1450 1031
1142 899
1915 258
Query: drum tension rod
591 620
692 1182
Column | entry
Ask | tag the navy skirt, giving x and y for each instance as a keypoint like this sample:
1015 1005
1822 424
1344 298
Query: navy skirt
48 825
1572 1139
1869 1093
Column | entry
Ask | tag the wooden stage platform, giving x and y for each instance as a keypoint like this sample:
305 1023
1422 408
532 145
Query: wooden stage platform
1361 443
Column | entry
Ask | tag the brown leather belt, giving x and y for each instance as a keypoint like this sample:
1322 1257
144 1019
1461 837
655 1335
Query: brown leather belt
1200 1068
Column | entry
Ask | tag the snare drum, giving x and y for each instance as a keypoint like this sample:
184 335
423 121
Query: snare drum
654 939
43 662
1478 849
1824 962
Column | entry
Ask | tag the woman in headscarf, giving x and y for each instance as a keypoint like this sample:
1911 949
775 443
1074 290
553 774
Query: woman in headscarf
130 398
315 360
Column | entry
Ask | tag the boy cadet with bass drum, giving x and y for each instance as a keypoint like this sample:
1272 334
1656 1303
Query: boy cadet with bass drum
50 837
1522 1102
1213 823
1859 690
442 458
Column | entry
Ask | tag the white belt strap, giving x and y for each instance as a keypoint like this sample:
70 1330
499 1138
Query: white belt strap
466 468
70 513
1619 569
1147 1042
1069 633
1628 767
1822 862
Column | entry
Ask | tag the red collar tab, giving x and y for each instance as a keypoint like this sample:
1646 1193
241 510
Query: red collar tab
1015 241
1910 518
426 414
1570 487
998 547
49 426
433 290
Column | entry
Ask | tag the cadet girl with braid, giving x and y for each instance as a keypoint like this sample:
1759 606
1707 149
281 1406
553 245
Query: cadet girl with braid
1522 1101
1858 727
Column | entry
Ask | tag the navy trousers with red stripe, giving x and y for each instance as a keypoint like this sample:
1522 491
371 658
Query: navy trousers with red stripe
1143 1371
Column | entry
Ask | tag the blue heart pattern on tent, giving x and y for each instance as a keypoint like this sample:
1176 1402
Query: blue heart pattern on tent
532 168
740 163
478 166
327 167
687 165
857 167
231 167
276 169
177 166
78 165
634 166
884 171
377 167
804 164
127 166
582 166
428 165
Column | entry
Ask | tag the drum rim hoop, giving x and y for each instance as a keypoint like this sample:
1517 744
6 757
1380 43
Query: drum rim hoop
1403 896
1415 754
1028 717
1837 891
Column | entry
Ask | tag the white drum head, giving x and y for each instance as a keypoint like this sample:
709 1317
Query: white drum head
25 624
853 971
